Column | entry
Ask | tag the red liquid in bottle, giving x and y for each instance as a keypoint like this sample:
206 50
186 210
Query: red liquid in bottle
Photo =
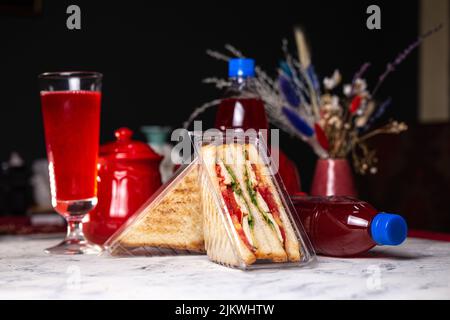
71 123
342 226
243 113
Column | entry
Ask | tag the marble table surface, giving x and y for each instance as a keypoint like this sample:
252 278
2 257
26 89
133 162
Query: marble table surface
419 269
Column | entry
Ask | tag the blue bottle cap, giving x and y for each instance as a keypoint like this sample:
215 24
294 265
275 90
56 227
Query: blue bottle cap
240 67
388 229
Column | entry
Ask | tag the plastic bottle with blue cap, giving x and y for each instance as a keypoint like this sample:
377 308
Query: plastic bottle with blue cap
241 67
344 226
242 108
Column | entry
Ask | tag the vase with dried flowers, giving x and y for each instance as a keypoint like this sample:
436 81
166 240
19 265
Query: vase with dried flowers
335 119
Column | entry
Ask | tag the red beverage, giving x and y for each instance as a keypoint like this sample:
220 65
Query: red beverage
71 122
243 113
71 110
344 226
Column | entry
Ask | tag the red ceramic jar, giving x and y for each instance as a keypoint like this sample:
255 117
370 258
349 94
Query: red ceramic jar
128 174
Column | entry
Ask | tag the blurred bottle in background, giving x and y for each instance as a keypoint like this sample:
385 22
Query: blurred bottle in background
157 138
25 202
15 189
41 186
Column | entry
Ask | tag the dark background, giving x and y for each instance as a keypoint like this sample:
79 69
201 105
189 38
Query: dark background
153 60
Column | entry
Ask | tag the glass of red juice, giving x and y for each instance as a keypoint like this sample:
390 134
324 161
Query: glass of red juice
71 112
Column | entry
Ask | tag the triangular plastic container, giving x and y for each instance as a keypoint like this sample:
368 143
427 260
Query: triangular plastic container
169 223
227 240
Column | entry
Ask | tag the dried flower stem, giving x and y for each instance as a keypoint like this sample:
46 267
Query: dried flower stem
402 56
234 51
390 128
217 55
199 111
361 71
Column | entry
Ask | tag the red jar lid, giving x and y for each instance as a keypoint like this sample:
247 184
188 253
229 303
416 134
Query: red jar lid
126 148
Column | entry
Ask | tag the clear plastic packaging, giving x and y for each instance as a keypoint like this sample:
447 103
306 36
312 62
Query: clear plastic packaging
248 217
169 223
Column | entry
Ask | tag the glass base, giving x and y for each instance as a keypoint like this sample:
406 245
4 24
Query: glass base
75 241
71 247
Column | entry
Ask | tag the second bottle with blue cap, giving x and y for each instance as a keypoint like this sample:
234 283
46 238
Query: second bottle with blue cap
344 226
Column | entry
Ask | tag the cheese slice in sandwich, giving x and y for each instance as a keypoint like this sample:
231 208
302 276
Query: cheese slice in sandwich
172 220
257 229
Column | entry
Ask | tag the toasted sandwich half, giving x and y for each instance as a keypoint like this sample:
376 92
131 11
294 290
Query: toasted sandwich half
217 234
172 220
264 238
259 236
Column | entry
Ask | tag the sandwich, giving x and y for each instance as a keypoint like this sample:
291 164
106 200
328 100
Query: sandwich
253 211
172 220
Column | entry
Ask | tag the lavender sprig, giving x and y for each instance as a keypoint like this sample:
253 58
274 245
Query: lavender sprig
402 56
298 81
361 71
297 122
377 115
289 92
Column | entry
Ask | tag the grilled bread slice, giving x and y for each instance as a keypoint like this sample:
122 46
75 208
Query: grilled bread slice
172 221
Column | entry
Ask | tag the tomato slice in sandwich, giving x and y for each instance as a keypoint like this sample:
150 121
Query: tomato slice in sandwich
236 214
269 199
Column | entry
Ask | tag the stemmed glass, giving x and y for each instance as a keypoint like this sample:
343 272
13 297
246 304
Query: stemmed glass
71 111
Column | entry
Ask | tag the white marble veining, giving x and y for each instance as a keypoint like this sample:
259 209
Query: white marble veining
419 269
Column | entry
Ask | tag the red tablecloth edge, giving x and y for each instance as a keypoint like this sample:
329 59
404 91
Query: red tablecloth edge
25 221
429 235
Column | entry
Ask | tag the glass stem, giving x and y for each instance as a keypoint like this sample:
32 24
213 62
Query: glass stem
75 229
